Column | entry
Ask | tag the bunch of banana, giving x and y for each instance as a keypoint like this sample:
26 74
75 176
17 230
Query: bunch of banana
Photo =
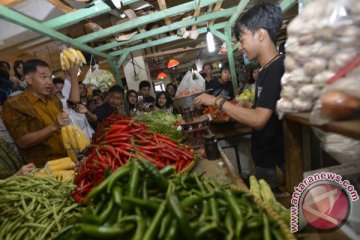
61 168
74 138
69 55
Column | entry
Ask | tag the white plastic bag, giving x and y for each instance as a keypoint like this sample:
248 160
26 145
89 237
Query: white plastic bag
99 79
191 83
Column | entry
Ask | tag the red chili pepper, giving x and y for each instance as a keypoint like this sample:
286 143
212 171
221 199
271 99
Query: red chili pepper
152 160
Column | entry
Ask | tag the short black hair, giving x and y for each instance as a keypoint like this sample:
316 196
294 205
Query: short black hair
263 15
16 64
129 92
171 84
58 80
31 65
158 95
116 89
208 65
143 84
225 67
5 62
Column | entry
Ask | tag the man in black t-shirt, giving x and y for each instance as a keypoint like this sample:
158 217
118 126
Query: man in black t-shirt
114 98
222 87
257 30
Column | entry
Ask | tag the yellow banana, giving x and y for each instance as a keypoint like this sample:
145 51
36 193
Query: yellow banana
72 155
65 138
77 57
70 55
81 139
65 64
70 133
81 55
65 175
64 164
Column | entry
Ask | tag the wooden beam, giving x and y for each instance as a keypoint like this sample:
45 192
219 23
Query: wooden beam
175 51
162 6
10 3
62 6
174 26
150 18
132 16
216 8
196 14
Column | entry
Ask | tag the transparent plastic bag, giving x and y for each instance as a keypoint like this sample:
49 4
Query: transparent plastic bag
191 83
321 40
99 79
338 101
342 149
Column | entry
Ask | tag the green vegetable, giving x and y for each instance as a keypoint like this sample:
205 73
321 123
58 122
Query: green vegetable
162 122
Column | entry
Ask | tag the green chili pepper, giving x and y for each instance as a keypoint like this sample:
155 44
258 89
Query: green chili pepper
102 232
235 211
155 222
180 216
147 204
117 195
161 181
267 235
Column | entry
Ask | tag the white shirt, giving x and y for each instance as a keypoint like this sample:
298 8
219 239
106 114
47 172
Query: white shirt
75 118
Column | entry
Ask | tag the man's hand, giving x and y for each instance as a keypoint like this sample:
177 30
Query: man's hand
205 100
81 109
26 169
62 119
72 72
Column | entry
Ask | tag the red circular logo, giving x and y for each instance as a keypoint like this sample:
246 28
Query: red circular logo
325 206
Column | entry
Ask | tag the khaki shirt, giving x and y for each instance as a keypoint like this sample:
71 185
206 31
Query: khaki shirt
27 113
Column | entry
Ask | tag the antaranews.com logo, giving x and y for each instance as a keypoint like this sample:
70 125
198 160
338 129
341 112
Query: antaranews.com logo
323 201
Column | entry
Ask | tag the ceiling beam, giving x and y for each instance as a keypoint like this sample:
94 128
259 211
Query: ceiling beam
10 3
287 4
24 21
162 6
174 26
62 6
132 16
216 8
162 41
143 20
175 51
98 8
240 8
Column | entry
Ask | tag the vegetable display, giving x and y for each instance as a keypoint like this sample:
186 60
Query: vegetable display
35 208
162 122
140 202
119 140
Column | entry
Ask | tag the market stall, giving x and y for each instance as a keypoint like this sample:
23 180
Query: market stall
154 176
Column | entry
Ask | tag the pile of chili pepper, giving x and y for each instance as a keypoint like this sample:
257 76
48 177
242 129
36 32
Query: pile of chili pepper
140 202
121 140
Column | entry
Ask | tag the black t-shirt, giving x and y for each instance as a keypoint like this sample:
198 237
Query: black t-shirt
222 90
267 145
103 111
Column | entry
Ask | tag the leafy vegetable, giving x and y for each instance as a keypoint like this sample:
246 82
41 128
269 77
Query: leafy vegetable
162 122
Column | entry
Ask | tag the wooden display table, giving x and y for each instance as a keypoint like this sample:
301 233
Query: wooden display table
299 154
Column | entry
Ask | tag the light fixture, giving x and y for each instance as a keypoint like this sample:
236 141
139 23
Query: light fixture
172 63
162 75
113 4
220 65
210 41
